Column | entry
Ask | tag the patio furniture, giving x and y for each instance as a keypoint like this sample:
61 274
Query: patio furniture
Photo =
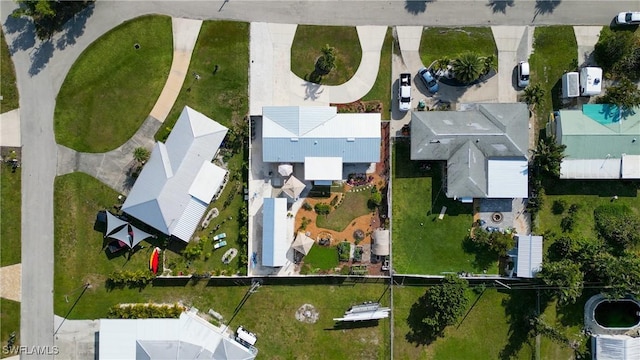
219 245
219 237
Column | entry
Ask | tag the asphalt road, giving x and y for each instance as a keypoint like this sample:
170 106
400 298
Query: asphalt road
42 66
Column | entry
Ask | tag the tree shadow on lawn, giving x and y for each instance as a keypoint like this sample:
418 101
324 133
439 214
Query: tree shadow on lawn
520 308
573 314
484 258
419 334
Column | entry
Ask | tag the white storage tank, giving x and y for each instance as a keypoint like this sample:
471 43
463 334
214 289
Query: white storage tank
590 81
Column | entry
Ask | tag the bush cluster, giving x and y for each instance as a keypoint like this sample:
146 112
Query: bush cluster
121 278
145 311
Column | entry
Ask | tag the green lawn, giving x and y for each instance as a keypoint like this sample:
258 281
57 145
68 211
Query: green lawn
493 328
436 245
353 206
588 195
9 322
437 43
322 257
381 90
112 87
222 96
308 43
554 53
8 88
10 214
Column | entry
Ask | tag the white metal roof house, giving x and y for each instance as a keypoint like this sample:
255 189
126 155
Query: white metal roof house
275 232
320 138
615 347
529 258
188 337
485 148
179 181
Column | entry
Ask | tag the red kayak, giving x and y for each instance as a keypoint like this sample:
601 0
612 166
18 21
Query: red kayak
153 261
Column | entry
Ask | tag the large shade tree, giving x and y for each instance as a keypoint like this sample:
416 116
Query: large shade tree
565 279
442 305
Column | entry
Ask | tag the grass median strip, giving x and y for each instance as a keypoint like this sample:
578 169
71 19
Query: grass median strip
8 87
437 43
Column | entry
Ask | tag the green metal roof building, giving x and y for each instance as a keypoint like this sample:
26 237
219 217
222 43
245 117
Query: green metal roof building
602 142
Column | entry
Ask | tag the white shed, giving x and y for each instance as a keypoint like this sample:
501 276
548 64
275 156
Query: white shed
529 255
570 85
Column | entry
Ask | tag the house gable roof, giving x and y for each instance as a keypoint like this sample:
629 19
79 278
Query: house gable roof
467 139
172 178
291 133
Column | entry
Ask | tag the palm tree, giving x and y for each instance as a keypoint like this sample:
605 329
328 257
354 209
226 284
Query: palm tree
141 154
548 155
327 61
441 64
489 64
533 95
468 67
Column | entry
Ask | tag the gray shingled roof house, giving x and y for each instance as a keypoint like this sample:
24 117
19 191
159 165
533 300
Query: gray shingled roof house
485 147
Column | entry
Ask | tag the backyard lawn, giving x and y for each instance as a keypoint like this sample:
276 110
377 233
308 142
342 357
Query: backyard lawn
423 244
493 328
308 43
554 53
112 87
353 206
322 258
588 195
381 90
10 232
9 322
223 95
8 87
437 43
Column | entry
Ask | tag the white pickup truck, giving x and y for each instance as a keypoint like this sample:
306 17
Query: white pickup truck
404 92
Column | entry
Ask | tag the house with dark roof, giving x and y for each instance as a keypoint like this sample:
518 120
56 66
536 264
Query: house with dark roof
320 139
601 142
176 185
485 148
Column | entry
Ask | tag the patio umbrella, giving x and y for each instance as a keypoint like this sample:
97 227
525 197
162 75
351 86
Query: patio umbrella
113 224
285 169
293 187
303 243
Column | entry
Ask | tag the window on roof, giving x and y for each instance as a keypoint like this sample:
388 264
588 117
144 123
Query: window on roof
294 139
351 139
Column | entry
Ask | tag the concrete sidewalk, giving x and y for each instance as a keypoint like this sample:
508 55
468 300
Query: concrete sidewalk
10 129
586 38
185 34
271 82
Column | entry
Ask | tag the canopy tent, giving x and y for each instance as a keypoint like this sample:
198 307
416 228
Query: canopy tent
303 243
381 242
293 187
113 223
130 235
285 169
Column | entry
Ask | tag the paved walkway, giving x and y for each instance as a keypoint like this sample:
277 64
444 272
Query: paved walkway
185 34
10 278
586 37
10 129
271 81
